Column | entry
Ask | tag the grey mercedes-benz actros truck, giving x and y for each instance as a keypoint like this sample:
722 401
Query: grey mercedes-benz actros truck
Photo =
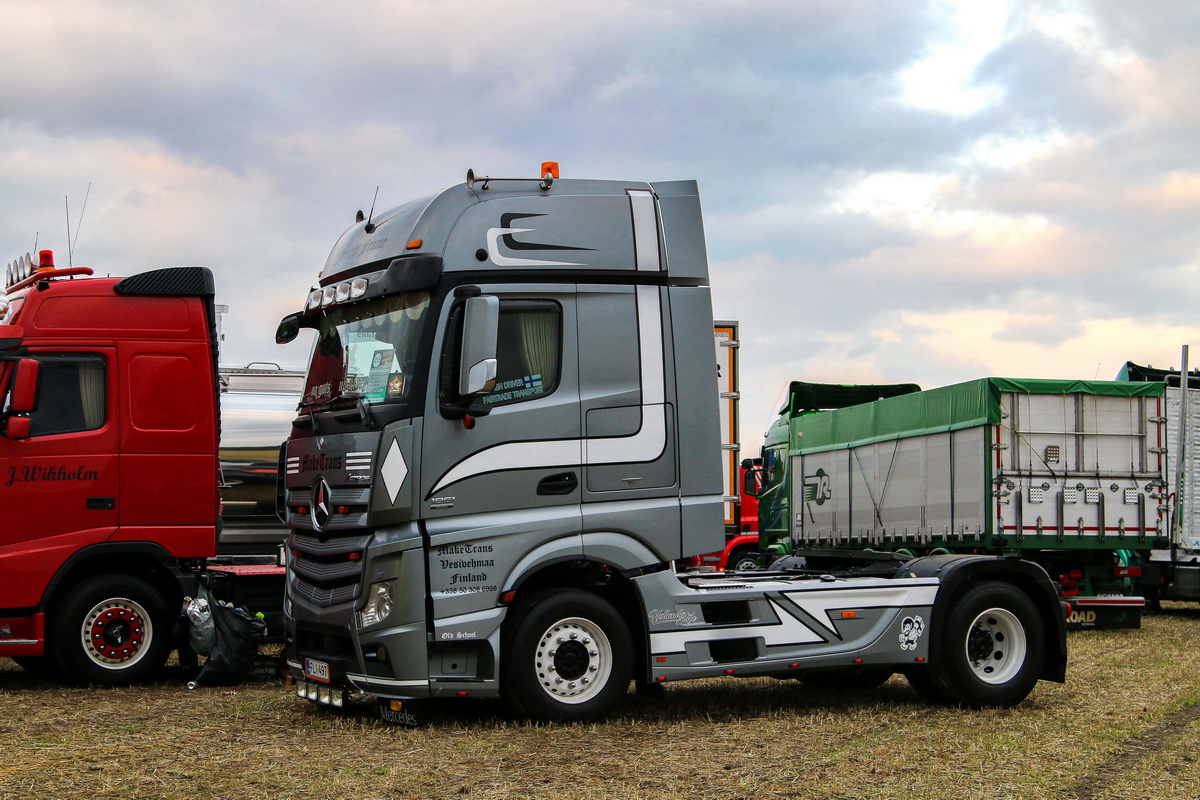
508 437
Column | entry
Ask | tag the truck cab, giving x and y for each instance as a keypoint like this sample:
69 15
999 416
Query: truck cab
108 468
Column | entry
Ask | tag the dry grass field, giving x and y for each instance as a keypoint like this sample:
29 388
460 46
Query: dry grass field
1123 726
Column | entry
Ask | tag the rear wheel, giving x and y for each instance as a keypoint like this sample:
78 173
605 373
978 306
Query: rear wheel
993 650
569 657
111 629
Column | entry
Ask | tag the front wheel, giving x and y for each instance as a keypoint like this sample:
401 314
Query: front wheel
742 559
993 650
569 657
112 630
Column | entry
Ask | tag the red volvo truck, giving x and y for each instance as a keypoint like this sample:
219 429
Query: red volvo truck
108 464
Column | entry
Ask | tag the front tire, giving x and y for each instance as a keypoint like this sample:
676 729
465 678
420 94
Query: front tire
110 630
741 559
569 658
993 651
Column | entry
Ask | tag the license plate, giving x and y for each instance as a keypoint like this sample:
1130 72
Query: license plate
317 670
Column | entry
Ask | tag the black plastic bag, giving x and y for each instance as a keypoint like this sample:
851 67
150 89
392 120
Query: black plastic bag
232 657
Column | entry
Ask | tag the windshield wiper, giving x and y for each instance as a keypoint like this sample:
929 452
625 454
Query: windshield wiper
307 405
364 414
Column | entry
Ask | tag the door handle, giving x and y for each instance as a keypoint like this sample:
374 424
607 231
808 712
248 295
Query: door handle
562 483
101 503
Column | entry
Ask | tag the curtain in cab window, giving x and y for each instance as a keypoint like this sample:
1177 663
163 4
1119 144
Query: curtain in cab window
528 351
71 395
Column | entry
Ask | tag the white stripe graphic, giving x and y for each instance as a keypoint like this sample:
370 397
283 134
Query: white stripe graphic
650 440
494 235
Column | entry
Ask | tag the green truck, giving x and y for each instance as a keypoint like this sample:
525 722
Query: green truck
1069 474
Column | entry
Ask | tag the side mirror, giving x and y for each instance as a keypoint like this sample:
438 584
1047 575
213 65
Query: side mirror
289 328
16 428
751 481
481 329
10 335
25 385
23 398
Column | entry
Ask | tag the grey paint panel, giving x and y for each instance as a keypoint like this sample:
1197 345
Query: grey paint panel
788 623
653 522
695 365
549 232
683 230
472 558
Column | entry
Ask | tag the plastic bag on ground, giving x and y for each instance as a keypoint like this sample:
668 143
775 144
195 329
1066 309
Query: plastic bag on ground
201 631
232 657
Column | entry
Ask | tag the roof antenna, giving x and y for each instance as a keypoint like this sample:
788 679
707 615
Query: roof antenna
370 226
71 242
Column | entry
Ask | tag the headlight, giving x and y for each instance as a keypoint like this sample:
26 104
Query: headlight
379 604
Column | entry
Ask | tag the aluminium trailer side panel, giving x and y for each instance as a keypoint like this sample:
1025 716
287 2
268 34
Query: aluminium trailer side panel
1187 499
903 491
999 464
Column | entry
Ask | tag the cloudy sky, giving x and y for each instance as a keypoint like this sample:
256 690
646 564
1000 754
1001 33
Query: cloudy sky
894 191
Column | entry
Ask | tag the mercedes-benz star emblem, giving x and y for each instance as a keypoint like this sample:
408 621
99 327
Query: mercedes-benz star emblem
319 507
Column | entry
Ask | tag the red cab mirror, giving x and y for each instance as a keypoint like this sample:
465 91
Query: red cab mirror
16 428
25 385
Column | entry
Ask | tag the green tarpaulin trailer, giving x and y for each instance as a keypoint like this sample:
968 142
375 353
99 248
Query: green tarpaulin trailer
1067 473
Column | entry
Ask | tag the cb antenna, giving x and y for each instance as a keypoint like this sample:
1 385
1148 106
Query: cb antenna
71 242
370 226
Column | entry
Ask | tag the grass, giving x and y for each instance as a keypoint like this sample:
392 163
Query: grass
1121 727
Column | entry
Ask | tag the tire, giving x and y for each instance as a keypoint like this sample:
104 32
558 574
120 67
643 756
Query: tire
993 649
920 679
864 678
740 559
569 657
110 630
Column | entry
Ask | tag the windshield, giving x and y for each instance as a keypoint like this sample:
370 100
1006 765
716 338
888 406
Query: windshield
367 351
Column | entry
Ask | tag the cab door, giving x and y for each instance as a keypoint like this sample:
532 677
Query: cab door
496 489
59 486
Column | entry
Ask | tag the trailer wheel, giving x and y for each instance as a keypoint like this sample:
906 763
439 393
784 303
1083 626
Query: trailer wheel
993 651
741 559
111 629
569 657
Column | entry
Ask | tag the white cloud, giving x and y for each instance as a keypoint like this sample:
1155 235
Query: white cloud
944 78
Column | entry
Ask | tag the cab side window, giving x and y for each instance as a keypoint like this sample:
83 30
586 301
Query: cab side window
528 354
528 351
72 395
